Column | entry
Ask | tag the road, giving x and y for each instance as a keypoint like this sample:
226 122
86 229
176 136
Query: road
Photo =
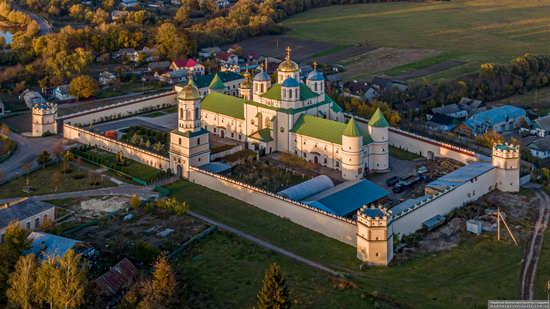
27 151
265 244
44 26
532 255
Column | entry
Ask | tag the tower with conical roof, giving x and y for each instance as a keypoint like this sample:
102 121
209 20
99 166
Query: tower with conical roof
189 143
352 151
216 85
378 128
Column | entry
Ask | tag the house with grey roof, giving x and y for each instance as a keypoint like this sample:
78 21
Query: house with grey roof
540 148
451 110
471 106
541 126
500 119
29 212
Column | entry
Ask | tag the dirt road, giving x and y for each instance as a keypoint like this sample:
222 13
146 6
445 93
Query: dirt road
532 254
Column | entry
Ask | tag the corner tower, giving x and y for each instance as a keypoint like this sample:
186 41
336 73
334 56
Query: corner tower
378 128
44 119
189 143
352 152
506 160
374 235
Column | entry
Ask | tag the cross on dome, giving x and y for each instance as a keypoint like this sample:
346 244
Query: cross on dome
315 65
288 50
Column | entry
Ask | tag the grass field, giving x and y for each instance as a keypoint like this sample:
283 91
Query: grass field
402 154
464 277
41 182
474 30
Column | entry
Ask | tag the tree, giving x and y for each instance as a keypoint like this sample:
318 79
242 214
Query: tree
83 87
134 201
43 287
171 43
56 180
274 292
68 157
20 292
26 167
164 281
15 241
69 281
43 158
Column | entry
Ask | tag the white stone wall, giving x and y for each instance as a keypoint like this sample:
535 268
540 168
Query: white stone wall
341 229
444 203
120 109
89 138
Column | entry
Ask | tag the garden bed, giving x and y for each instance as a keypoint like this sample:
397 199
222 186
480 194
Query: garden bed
149 139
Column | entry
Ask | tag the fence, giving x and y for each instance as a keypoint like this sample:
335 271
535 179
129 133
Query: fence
339 228
186 244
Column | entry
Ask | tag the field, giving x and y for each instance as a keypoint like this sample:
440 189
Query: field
466 276
472 31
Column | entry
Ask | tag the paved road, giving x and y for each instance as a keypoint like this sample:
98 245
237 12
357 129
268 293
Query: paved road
265 244
44 26
535 243
144 192
27 151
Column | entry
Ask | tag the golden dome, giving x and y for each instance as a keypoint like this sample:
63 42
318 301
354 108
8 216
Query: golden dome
189 91
288 65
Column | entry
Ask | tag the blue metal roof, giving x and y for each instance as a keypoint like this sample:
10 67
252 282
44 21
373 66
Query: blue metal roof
262 76
51 245
346 198
373 212
216 167
290 82
461 175
316 76
494 116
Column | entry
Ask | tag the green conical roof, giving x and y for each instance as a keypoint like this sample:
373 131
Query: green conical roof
378 120
217 83
352 129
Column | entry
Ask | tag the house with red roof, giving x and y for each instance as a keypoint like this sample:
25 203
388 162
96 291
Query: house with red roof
226 58
191 65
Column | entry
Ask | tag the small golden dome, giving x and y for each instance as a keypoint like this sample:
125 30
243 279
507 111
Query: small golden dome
189 91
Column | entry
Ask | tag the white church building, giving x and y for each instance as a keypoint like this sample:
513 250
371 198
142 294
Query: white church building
288 116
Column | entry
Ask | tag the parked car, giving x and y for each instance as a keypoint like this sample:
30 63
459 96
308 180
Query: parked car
392 181
405 183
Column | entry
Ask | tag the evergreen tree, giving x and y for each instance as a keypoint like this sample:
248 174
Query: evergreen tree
274 293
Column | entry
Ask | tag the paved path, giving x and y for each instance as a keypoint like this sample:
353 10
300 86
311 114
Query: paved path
44 25
27 151
265 244
535 243
143 192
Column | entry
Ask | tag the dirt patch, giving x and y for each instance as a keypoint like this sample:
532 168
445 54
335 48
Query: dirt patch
366 65
431 69
444 238
97 207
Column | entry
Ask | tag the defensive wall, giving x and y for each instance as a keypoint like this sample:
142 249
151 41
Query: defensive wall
335 227
422 145
120 109
129 151
226 152
410 220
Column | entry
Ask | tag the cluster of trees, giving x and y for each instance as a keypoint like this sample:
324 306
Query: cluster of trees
170 204
27 28
149 139
366 110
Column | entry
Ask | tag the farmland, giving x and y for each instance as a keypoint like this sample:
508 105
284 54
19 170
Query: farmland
470 31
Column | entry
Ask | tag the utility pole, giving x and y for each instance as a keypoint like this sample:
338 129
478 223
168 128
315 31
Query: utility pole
499 217
498 223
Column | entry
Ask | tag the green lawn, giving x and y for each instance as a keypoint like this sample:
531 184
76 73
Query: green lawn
474 30
401 154
41 182
538 99
467 276
132 168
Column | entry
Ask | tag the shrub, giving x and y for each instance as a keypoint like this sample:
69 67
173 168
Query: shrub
78 176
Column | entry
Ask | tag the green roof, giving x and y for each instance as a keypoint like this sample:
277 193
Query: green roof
352 129
189 133
216 83
378 120
224 104
333 105
324 129
274 92
263 135
206 80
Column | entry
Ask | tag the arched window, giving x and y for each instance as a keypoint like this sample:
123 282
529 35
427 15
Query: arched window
197 113
296 94
181 112
290 94
284 93
262 88
198 141
314 86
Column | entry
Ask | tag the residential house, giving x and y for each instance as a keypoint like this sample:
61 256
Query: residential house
385 84
223 4
44 245
441 122
175 2
31 97
116 14
230 80
471 106
190 65
172 77
62 93
230 68
208 52
124 53
29 212
106 78
146 55
129 3
540 148
334 80
451 110
541 126
158 66
225 58
356 88
410 106
117 279
500 119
